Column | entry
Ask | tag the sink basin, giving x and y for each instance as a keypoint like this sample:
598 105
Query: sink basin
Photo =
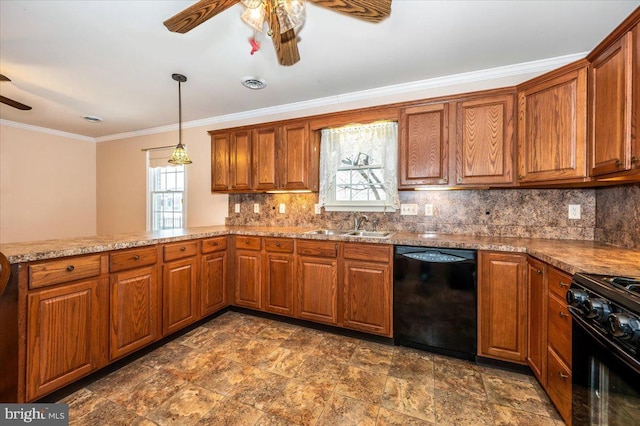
370 234
327 232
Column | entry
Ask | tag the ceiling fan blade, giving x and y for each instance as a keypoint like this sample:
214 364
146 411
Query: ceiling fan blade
196 14
4 78
14 104
285 44
368 10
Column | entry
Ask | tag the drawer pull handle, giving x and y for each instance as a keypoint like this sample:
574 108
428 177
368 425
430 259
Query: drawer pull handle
70 268
634 160
563 376
563 314
183 249
246 241
136 257
563 285
277 244
215 244
618 163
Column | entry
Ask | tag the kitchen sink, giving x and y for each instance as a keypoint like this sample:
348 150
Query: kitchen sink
327 232
369 234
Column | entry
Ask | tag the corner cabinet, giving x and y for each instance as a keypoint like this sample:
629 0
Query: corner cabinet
502 301
552 126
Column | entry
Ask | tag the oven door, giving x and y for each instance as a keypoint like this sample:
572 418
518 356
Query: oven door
606 380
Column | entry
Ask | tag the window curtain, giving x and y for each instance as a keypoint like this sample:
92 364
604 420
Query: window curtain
379 140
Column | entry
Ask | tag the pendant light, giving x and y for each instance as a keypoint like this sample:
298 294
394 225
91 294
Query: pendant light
179 155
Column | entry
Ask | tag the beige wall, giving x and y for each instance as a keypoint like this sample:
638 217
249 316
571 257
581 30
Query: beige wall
122 182
47 186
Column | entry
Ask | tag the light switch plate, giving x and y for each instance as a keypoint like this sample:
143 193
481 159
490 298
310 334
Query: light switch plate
408 209
256 208
317 209
237 208
574 211
283 209
428 209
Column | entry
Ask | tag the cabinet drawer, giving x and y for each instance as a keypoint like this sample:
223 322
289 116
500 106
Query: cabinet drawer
371 252
248 243
214 244
559 331
129 259
318 248
279 245
559 384
180 250
65 270
559 282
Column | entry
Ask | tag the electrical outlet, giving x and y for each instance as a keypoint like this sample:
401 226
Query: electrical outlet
256 208
317 209
283 209
428 209
574 211
408 209
237 208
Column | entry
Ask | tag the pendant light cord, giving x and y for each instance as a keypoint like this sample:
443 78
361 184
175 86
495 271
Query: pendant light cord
179 112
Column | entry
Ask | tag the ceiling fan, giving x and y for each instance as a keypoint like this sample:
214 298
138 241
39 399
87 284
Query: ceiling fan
11 102
282 17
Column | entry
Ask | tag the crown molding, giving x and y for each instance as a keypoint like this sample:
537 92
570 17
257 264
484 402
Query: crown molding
46 130
525 68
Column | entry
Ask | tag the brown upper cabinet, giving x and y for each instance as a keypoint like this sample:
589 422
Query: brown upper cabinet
484 140
240 161
220 145
613 113
424 145
552 126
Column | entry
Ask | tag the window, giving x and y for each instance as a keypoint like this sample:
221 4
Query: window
358 168
166 192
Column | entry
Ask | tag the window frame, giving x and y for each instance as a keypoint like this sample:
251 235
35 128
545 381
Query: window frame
150 199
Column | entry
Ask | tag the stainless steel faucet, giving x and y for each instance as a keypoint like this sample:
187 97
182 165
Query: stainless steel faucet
359 220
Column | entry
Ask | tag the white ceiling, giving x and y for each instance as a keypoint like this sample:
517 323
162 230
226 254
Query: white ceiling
114 59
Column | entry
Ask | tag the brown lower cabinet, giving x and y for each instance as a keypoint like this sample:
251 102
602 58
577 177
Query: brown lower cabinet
318 281
279 276
213 275
66 335
502 306
537 318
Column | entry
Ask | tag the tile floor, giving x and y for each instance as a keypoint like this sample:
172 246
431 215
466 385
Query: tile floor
239 369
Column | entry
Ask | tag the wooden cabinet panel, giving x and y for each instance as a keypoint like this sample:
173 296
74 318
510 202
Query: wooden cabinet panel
368 252
210 245
484 140
180 250
610 104
213 278
318 289
424 145
317 248
559 385
265 158
502 306
283 245
122 260
247 243
65 270
560 329
278 283
220 161
552 133
295 154
66 335
537 318
135 310
179 294
240 163
247 279
559 283
367 296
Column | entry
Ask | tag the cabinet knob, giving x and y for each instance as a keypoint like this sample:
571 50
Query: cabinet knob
520 177
459 179
563 314
246 241
618 163
183 249
215 243
70 268
634 160
136 257
277 244
563 376
539 271
563 285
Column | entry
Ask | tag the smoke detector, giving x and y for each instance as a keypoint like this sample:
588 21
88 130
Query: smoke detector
253 83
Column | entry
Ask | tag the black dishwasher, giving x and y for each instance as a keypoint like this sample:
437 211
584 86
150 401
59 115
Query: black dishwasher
434 300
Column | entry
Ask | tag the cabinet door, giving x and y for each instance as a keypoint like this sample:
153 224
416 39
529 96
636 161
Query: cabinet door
367 296
135 310
318 289
240 164
484 140
552 133
502 306
537 318
220 147
247 279
265 167
279 276
294 156
66 335
611 102
213 278
424 145
179 294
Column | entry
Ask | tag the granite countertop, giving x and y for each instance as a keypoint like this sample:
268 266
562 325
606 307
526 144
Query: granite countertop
569 255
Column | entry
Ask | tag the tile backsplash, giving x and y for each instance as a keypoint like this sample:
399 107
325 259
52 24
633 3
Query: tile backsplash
535 213
618 215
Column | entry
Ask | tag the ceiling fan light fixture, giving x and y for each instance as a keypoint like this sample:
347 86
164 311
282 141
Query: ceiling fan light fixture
290 13
253 83
179 154
254 17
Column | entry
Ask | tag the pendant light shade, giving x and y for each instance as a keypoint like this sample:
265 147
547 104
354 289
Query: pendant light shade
179 155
